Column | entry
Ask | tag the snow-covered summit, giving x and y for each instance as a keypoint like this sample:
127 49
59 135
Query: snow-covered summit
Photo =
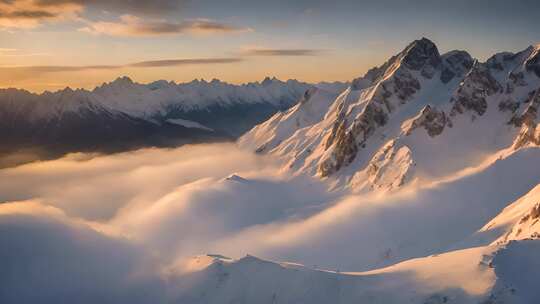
387 122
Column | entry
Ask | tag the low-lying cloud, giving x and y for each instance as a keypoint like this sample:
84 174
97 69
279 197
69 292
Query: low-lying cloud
144 175
47 257
116 225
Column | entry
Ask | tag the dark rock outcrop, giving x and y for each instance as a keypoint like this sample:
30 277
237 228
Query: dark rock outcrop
474 90
455 63
533 63
528 121
420 54
431 119
508 105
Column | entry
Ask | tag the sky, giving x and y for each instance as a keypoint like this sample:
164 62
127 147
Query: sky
51 44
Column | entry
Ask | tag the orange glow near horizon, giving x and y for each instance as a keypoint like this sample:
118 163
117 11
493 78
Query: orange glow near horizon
315 69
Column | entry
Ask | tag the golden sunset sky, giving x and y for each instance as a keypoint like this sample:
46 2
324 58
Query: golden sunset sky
51 44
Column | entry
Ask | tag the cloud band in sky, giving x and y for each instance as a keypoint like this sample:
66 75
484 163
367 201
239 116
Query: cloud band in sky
30 14
282 52
120 6
141 64
129 25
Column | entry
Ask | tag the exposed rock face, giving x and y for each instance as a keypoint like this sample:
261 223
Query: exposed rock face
345 141
431 119
500 61
533 63
421 54
404 86
473 91
456 63
529 116
517 79
509 105
530 129
347 137
532 215
344 152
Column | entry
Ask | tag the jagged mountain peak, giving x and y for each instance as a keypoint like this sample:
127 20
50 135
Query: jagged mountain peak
119 82
415 99
455 63
423 55
269 80
160 84
122 80
419 53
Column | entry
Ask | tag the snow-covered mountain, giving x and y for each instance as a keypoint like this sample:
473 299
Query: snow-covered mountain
452 143
123 113
420 115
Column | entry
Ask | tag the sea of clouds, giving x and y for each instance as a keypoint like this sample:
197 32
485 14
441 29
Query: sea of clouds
115 228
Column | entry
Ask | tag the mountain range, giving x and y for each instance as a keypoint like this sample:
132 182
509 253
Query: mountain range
123 115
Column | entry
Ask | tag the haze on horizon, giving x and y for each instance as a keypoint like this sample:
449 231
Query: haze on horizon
50 44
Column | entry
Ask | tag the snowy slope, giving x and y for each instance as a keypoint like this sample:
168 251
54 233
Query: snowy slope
252 280
477 275
503 272
421 115
518 221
